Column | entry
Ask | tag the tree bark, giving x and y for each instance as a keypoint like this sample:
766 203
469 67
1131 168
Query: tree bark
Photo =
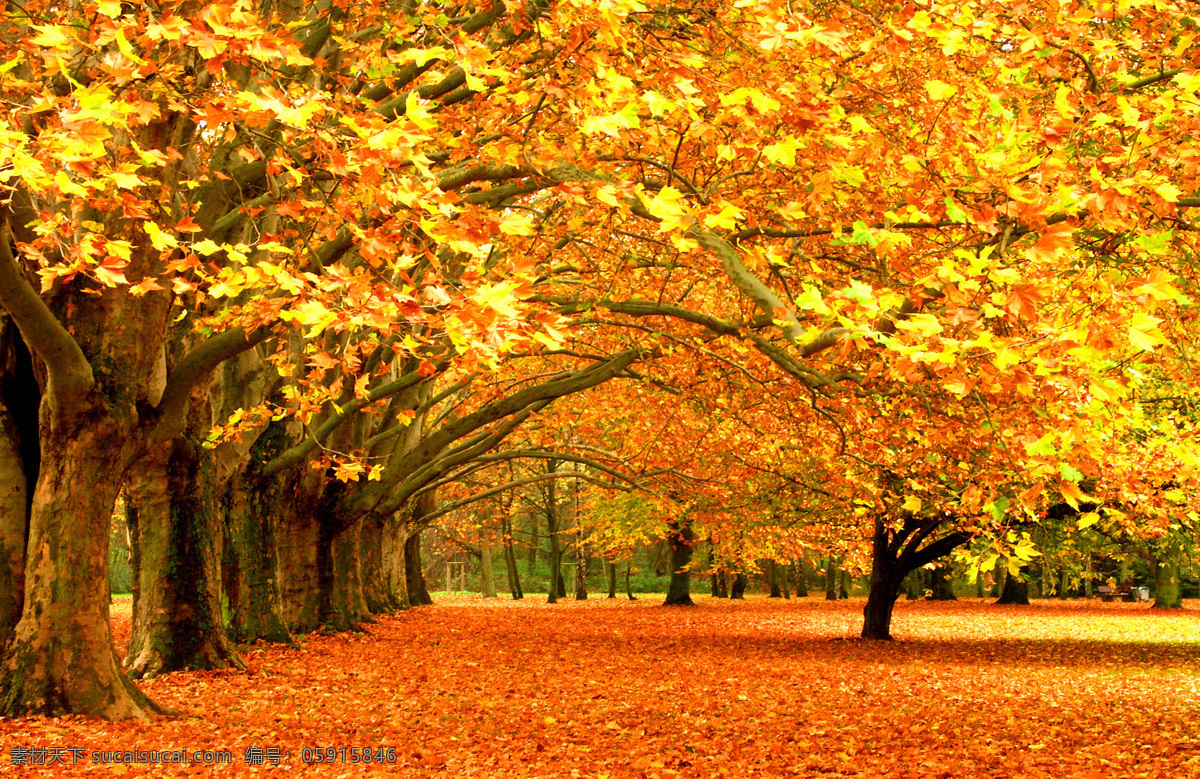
628 584
254 507
19 456
557 586
610 571
737 590
60 659
1015 592
510 558
176 563
772 570
681 539
417 592
488 577
939 583
895 552
1167 593
801 578
831 577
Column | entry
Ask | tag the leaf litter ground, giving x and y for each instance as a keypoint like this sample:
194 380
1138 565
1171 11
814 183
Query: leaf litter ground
631 689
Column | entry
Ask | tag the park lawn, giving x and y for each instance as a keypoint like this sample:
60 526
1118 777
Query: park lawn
630 689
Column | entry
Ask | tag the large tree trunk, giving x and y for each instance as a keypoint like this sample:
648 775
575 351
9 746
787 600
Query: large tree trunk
19 455
1167 594
254 508
376 583
60 659
1015 592
395 576
14 518
802 579
172 516
681 540
737 590
886 577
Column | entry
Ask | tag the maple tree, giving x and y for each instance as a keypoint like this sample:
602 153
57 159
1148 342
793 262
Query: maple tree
939 251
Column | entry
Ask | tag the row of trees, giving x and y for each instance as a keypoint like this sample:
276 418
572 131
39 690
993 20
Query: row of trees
293 276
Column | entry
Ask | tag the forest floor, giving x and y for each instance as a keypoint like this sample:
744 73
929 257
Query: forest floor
599 688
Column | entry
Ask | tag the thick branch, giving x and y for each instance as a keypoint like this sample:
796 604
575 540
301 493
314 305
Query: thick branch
194 365
70 374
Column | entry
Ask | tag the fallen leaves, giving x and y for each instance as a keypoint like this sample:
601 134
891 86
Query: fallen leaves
758 688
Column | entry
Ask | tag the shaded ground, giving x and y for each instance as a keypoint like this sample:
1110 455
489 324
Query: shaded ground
760 688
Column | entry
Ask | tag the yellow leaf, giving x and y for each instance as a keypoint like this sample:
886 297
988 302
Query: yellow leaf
158 239
726 219
912 504
516 224
939 90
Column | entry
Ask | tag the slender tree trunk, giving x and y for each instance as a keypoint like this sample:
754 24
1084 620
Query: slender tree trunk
488 577
60 659
176 563
557 586
781 576
535 545
1167 593
610 571
681 540
771 568
510 558
628 584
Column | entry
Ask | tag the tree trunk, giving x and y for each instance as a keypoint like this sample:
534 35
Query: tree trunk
886 577
415 574
488 577
628 585
14 518
772 571
781 575
60 659
737 590
395 578
557 586
510 558
939 583
19 455
722 584
176 564
831 576
610 570
254 507
681 540
1015 592
1167 593
373 565
844 585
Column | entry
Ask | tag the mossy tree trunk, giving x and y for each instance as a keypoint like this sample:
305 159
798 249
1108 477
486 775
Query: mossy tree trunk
175 527
1167 593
